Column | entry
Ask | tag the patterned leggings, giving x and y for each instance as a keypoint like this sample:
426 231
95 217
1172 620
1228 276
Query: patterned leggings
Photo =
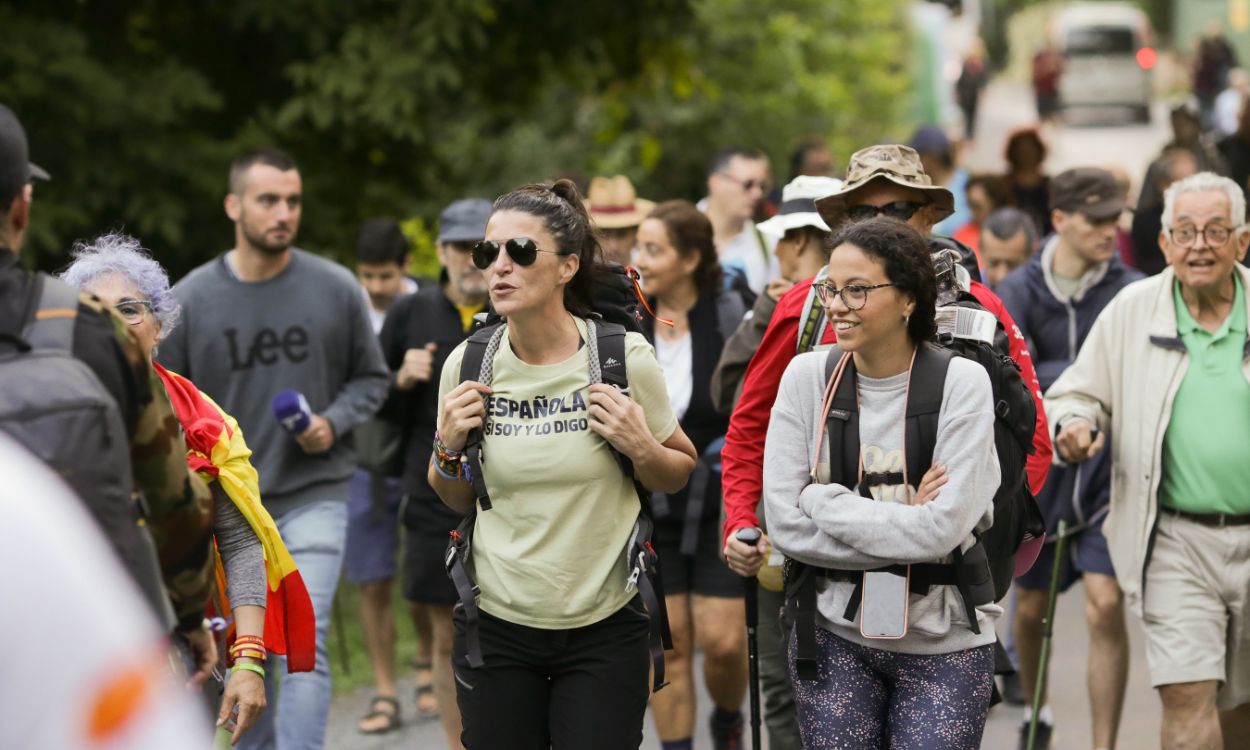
866 698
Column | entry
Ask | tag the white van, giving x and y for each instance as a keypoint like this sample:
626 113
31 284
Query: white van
1108 57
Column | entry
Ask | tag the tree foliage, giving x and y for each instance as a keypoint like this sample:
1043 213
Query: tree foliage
396 107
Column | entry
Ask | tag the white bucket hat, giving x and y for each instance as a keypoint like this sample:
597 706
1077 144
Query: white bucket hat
798 205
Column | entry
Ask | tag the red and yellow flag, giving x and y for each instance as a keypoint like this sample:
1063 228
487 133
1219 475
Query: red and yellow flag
215 449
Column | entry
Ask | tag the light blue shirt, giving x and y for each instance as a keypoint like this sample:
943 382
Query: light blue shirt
958 185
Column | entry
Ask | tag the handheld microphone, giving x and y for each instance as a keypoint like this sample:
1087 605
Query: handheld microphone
291 410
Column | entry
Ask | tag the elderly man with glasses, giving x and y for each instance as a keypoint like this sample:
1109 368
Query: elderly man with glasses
1166 368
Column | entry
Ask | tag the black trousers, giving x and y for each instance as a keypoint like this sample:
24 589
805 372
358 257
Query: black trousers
560 689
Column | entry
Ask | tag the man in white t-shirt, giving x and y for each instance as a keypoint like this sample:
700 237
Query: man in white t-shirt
737 182
87 666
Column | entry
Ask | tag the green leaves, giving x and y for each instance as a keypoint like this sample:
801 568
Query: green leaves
397 107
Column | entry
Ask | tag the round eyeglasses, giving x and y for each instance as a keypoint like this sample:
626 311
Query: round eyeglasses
854 296
1215 235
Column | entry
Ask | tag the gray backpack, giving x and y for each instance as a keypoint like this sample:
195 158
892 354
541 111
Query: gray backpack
55 406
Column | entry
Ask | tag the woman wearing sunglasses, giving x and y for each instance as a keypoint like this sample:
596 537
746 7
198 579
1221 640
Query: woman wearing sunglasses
564 638
903 668
117 269
681 275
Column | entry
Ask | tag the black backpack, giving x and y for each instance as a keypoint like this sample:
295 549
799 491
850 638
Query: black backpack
617 299
983 573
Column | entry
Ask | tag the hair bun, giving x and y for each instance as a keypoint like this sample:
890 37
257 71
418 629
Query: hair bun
567 190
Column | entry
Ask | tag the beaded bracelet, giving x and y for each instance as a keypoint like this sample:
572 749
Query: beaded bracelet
258 669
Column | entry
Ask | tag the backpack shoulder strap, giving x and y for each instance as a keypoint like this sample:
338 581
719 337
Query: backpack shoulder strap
607 365
924 406
842 424
607 357
56 309
475 352
479 364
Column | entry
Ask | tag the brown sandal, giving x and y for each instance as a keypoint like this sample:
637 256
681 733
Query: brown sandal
376 710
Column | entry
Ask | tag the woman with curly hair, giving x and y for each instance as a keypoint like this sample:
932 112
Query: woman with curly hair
267 606
893 660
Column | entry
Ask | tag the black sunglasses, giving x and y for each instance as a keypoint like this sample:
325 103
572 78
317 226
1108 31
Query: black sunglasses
901 210
522 250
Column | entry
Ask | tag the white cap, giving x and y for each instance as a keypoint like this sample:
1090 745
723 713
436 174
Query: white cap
798 205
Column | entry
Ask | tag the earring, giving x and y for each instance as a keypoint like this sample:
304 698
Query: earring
906 320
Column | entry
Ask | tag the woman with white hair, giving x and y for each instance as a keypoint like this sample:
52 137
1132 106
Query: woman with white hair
117 269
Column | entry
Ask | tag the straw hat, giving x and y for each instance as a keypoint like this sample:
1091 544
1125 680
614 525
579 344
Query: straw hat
613 204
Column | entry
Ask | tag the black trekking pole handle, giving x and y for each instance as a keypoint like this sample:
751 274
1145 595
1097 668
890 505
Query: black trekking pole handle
752 537
750 585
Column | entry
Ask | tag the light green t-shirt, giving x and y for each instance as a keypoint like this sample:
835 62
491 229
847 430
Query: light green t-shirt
1204 451
551 552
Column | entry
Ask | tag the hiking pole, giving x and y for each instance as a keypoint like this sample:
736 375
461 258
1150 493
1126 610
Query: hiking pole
751 586
1048 630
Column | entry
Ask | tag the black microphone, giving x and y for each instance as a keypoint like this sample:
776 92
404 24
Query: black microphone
291 410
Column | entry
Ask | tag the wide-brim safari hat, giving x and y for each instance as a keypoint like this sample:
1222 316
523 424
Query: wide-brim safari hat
798 205
613 204
898 164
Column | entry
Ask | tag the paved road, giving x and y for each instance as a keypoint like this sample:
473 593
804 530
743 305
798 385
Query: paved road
1087 140
1090 137
1140 727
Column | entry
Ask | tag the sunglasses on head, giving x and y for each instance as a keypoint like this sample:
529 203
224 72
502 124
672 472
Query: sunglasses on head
522 250
901 210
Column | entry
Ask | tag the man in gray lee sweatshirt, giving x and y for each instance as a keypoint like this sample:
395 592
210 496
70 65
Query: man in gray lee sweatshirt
258 319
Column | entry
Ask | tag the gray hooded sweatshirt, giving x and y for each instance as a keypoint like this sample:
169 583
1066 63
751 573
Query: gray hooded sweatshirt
832 526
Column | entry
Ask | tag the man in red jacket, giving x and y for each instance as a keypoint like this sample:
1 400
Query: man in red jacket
885 180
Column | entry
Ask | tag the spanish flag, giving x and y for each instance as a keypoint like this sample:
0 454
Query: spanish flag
216 450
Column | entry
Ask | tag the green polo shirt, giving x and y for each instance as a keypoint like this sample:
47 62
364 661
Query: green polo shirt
1205 464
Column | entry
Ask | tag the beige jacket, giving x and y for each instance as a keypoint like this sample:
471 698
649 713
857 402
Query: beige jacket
1124 379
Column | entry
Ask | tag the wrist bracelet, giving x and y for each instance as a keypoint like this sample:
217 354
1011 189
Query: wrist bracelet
438 466
443 452
249 653
258 669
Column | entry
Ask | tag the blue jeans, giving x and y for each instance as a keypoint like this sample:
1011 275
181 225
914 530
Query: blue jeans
315 534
